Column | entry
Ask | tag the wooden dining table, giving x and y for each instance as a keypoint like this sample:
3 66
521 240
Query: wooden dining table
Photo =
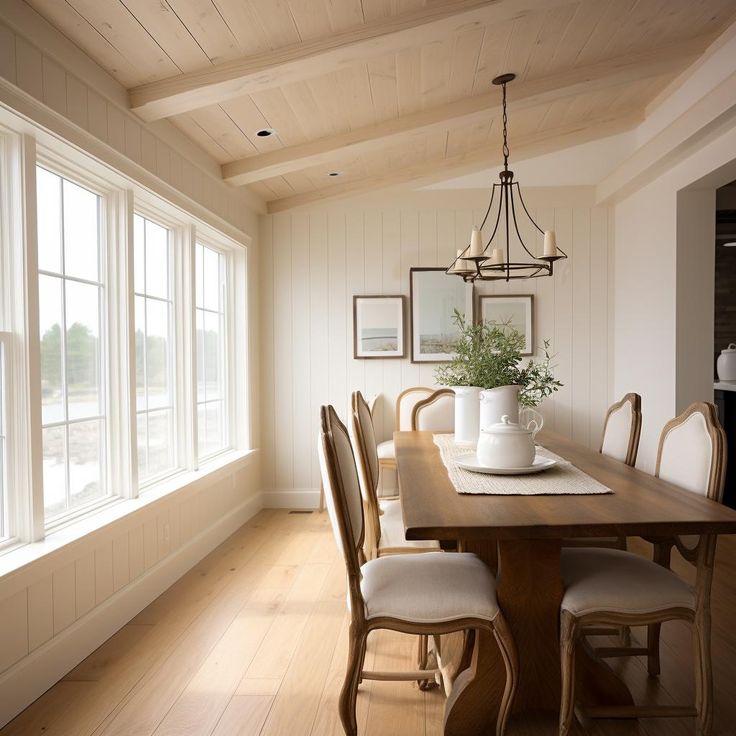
520 537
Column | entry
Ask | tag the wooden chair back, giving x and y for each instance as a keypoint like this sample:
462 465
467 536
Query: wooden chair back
405 403
692 451
622 429
366 456
343 498
436 413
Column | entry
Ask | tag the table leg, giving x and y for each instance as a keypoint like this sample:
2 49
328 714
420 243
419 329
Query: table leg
530 593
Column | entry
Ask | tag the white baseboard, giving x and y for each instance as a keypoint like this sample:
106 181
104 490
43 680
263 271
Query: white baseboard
33 675
296 498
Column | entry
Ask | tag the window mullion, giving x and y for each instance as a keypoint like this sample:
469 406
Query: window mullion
122 425
186 346
28 411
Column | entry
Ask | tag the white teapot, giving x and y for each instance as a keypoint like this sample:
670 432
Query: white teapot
507 445
726 363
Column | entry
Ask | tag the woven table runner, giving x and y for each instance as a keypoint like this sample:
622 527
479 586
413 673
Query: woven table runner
561 480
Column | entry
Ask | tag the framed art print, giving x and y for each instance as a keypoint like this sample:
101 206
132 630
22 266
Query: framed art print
434 298
515 311
378 327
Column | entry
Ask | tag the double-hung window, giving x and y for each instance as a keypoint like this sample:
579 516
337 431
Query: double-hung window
154 349
210 311
72 340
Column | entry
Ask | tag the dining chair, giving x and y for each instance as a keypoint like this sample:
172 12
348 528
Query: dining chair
620 440
405 403
384 525
609 587
435 413
428 594
622 429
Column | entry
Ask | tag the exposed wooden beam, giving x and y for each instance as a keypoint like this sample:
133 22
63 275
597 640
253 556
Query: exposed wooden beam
429 171
185 92
594 77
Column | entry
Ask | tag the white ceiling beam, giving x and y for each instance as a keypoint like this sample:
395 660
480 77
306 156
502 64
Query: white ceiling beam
707 118
192 90
429 171
398 131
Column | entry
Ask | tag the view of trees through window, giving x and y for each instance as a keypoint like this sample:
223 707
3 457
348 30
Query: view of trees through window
153 349
70 300
211 381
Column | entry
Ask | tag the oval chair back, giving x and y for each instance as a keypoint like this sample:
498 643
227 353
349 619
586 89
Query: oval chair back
692 451
622 429
405 403
436 413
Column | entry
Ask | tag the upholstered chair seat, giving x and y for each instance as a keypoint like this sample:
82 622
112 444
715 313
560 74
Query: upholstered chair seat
620 582
386 451
392 539
430 588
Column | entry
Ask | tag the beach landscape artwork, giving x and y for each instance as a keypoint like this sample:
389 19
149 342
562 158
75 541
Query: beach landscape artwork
378 327
434 298
515 311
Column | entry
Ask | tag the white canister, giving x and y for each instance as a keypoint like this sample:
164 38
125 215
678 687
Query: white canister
726 363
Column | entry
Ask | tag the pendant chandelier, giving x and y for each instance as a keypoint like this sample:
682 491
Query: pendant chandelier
491 259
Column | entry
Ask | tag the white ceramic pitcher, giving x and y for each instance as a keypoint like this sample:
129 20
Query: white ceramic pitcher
498 402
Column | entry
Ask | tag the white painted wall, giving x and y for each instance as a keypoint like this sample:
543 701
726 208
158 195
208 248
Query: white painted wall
663 314
313 262
72 592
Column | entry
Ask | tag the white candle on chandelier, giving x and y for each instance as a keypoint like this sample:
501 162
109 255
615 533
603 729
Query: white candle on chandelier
550 243
497 257
460 263
476 244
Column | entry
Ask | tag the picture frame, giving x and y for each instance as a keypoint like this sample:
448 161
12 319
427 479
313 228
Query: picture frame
378 327
517 309
434 295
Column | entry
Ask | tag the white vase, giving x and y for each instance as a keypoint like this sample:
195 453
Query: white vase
467 414
497 402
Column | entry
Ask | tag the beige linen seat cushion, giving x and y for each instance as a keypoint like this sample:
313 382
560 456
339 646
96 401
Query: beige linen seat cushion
386 450
429 588
392 530
619 582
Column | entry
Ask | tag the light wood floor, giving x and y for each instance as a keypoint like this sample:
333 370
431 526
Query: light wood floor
253 640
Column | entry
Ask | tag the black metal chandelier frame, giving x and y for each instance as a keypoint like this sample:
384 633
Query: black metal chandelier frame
477 268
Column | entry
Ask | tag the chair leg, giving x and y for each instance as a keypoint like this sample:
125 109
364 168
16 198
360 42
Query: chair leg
653 634
423 662
507 646
624 633
568 637
703 675
349 692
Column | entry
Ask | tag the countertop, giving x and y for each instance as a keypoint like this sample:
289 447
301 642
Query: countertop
725 385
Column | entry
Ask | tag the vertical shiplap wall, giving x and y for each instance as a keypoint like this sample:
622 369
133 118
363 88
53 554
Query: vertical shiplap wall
312 263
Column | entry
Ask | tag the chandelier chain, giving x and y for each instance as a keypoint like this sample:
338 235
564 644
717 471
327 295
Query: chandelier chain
505 132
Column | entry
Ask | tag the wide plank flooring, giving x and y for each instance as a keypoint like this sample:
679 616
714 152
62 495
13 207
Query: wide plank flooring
252 641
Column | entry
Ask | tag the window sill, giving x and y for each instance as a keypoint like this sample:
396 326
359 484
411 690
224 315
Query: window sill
16 558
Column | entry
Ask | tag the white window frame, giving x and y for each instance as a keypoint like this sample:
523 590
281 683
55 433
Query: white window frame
218 246
23 146
112 382
178 236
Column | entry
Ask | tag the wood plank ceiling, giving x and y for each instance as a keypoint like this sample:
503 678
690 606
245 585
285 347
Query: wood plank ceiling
385 91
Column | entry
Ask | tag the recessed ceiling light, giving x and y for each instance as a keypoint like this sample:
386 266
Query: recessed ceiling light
334 173
265 132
